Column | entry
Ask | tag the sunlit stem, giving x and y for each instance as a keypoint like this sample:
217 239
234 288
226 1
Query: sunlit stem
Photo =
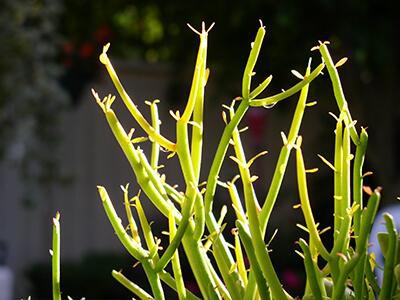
340 285
289 92
55 260
131 106
366 221
251 62
260 278
390 258
178 235
132 224
358 179
284 157
176 267
134 288
337 89
155 147
133 248
142 176
313 274
346 186
305 204
171 282
146 229
338 161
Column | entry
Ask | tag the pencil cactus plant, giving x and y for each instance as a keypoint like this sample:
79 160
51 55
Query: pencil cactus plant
345 271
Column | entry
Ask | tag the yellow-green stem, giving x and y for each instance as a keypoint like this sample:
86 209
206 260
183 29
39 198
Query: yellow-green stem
55 259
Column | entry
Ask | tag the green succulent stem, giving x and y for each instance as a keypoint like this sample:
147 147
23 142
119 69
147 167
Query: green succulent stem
141 175
358 179
339 292
261 281
289 92
131 106
390 259
176 266
137 290
366 221
131 246
314 277
337 89
305 205
55 258
155 147
337 196
284 157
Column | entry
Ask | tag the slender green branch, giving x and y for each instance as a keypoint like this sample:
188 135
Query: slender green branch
132 224
200 266
251 291
131 106
155 147
173 193
192 192
345 201
390 259
358 179
141 175
176 266
339 292
240 259
152 246
134 288
289 92
262 284
243 166
257 240
197 130
154 280
284 156
313 274
133 248
55 259
261 87
305 204
342 239
221 252
198 76
337 196
171 282
337 89
251 62
174 243
236 202
220 286
153 176
366 221
220 156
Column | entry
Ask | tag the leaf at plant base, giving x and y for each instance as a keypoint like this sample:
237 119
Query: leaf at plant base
383 239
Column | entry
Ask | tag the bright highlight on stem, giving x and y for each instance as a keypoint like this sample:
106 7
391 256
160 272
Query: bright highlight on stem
55 258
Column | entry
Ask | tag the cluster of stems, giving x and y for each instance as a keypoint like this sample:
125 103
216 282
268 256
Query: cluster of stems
344 271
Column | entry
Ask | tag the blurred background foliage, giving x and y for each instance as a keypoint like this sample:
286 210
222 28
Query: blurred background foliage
49 52
31 98
156 31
